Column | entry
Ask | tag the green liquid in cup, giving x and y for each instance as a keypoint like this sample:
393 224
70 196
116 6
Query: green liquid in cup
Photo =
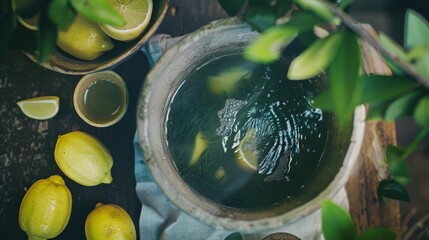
243 135
103 101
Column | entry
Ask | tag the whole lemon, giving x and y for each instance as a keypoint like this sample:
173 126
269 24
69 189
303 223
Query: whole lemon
109 221
84 39
45 209
83 158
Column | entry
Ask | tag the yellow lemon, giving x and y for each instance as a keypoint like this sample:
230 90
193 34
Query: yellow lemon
45 209
137 14
84 40
109 221
83 158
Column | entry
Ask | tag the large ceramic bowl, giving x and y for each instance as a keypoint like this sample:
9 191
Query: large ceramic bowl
67 64
219 38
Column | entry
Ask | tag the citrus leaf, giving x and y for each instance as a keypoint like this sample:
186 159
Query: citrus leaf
316 58
400 172
343 75
403 106
324 101
394 154
392 189
99 11
267 47
421 113
260 16
234 236
319 7
417 52
282 7
46 37
232 7
395 49
61 13
376 234
377 110
381 88
417 33
337 223
416 29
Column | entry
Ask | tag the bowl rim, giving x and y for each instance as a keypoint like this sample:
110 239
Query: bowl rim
225 222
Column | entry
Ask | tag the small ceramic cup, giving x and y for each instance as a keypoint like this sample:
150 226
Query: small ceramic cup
101 99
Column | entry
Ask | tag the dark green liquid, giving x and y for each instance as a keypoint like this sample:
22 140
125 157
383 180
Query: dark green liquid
226 98
102 101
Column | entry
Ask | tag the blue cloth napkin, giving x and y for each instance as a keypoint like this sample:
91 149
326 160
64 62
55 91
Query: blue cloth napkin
159 218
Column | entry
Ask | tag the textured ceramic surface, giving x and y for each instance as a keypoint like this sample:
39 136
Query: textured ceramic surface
219 38
64 63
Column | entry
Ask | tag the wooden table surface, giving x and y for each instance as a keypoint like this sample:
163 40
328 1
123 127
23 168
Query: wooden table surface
27 145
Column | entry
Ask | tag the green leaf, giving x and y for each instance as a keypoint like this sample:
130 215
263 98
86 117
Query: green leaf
46 37
324 101
398 165
316 58
416 29
417 33
61 13
395 49
319 7
99 11
337 223
392 189
376 234
232 7
403 106
234 236
260 16
381 88
377 110
282 7
417 52
421 113
267 47
343 76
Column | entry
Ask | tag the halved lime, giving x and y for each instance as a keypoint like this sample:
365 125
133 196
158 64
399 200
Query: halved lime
247 153
40 108
137 14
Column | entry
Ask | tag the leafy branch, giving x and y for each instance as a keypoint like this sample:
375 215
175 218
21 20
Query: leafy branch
333 50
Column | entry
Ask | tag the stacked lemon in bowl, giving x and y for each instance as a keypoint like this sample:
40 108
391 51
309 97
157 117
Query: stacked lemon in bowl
88 40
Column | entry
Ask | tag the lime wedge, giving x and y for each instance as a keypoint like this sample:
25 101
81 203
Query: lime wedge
137 14
199 147
40 108
247 154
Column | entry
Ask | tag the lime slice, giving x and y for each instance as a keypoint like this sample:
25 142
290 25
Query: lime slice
40 108
247 154
137 14
30 23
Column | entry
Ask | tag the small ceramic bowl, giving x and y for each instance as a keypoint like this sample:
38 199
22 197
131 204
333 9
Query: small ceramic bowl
90 82
67 64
